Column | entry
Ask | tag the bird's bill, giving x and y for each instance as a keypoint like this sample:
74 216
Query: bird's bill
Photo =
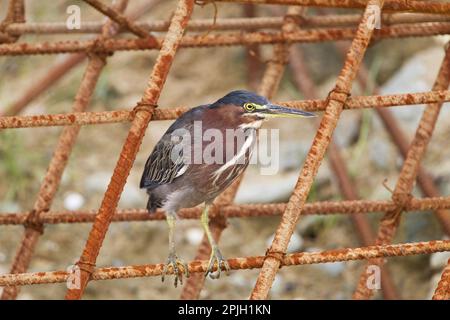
274 111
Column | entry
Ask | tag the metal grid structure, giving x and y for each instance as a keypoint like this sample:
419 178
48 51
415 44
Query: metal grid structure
424 18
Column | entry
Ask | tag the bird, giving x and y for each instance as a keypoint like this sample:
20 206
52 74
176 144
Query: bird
176 177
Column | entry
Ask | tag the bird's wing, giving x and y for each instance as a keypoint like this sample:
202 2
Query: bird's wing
167 160
163 165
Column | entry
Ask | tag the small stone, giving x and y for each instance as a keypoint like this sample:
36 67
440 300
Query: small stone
295 244
9 206
73 201
438 260
194 236
334 269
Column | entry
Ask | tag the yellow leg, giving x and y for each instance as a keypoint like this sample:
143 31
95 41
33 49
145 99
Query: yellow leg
216 255
178 265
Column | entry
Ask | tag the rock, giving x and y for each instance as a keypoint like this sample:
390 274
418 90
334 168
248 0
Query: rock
132 196
295 244
73 201
9 206
269 188
416 75
438 260
194 236
334 269
97 182
380 153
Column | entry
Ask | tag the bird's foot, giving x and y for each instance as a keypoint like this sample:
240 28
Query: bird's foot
222 264
178 266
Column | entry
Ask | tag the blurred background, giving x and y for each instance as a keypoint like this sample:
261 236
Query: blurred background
198 76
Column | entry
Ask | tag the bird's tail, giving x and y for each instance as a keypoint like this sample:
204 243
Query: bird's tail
153 202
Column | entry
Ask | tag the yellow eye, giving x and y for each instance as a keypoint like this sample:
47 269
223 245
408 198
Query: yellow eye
250 107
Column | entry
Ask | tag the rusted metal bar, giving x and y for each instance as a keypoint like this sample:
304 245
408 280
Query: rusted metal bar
50 184
252 53
85 118
302 258
60 69
389 223
268 87
366 236
425 181
143 115
224 39
15 14
119 18
248 24
442 291
236 211
429 6
337 98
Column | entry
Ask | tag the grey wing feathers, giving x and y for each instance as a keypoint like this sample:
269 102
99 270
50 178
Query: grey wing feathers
163 165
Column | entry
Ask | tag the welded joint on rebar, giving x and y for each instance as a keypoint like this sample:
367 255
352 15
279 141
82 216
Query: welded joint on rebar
338 95
98 49
277 255
33 222
86 266
143 106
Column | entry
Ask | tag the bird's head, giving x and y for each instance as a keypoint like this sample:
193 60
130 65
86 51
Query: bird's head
252 107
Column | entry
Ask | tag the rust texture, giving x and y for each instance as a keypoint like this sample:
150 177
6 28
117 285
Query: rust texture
85 118
427 18
408 174
320 143
49 186
142 117
306 86
431 6
234 211
224 39
248 24
302 258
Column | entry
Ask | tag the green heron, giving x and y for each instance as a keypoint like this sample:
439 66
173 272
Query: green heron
173 181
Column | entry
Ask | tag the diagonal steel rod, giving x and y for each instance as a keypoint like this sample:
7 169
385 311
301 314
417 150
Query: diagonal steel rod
59 69
50 184
391 220
143 115
268 87
119 18
306 85
297 200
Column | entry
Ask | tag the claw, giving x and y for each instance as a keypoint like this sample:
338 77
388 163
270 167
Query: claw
222 264
179 268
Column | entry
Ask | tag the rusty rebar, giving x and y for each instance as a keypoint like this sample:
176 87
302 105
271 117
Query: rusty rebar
143 115
302 258
329 121
99 117
119 18
268 87
14 14
429 6
50 184
306 85
60 69
442 291
224 39
236 211
248 24
391 220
